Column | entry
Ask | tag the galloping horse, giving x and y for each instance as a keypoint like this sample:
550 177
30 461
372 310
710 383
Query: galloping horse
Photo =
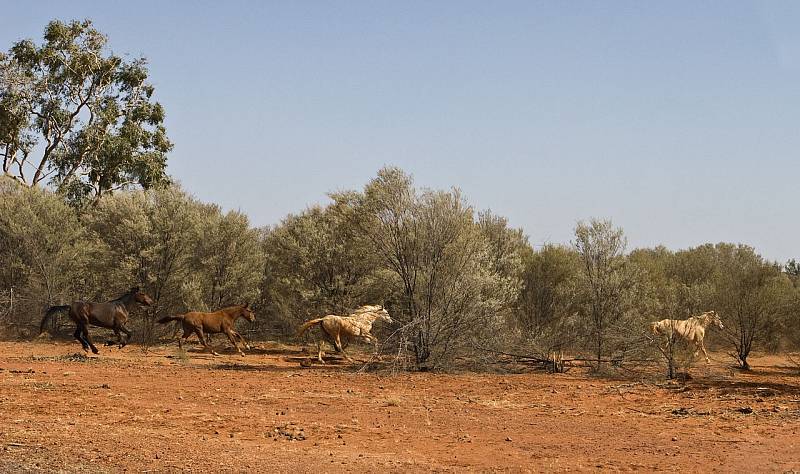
223 320
112 315
692 330
357 325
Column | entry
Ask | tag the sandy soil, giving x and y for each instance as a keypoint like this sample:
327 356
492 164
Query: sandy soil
131 411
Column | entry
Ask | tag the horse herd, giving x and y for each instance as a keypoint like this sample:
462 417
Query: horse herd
336 330
114 315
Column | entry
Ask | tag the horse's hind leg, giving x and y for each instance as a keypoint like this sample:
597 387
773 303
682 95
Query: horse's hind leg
319 351
186 334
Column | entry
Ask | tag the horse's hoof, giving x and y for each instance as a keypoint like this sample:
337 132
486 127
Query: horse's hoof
95 351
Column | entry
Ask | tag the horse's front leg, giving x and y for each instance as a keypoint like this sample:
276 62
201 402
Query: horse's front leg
703 347
241 338
119 338
79 336
88 338
128 333
202 337
230 333
372 340
340 348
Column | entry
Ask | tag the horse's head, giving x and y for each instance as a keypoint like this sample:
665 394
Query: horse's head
714 319
140 296
247 313
383 314
375 311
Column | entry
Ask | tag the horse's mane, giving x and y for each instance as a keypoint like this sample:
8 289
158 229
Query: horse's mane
367 309
703 318
122 297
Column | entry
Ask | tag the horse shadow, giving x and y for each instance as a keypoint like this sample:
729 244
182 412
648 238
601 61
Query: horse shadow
292 369
760 388
293 355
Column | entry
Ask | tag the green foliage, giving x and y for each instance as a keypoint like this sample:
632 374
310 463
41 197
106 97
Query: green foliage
457 283
545 310
447 278
43 249
607 285
454 276
792 268
228 258
754 297
185 254
316 265
79 116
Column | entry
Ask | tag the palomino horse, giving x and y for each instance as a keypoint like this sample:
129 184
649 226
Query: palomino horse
223 320
357 325
693 330
112 315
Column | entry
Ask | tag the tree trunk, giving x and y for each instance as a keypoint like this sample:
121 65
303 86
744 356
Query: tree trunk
421 349
743 362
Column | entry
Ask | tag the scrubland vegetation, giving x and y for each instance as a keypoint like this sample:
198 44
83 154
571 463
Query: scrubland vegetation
460 283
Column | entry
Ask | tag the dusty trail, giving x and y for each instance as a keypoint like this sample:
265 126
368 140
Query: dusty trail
130 411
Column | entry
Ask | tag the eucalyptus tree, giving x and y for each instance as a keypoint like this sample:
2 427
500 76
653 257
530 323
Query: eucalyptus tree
74 114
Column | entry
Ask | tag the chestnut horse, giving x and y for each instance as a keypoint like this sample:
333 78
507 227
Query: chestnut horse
112 315
223 320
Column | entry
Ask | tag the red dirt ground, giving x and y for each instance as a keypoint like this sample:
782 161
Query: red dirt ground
131 411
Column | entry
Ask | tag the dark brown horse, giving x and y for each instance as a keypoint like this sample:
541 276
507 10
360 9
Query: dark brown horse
112 315
223 321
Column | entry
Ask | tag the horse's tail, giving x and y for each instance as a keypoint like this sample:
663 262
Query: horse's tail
302 329
166 319
49 314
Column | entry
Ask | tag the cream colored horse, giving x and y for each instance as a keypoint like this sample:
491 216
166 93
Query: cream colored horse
338 330
693 330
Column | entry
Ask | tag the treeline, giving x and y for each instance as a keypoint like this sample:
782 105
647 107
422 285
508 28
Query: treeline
458 283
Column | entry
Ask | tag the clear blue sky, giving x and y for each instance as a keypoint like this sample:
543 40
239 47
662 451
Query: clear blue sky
677 120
